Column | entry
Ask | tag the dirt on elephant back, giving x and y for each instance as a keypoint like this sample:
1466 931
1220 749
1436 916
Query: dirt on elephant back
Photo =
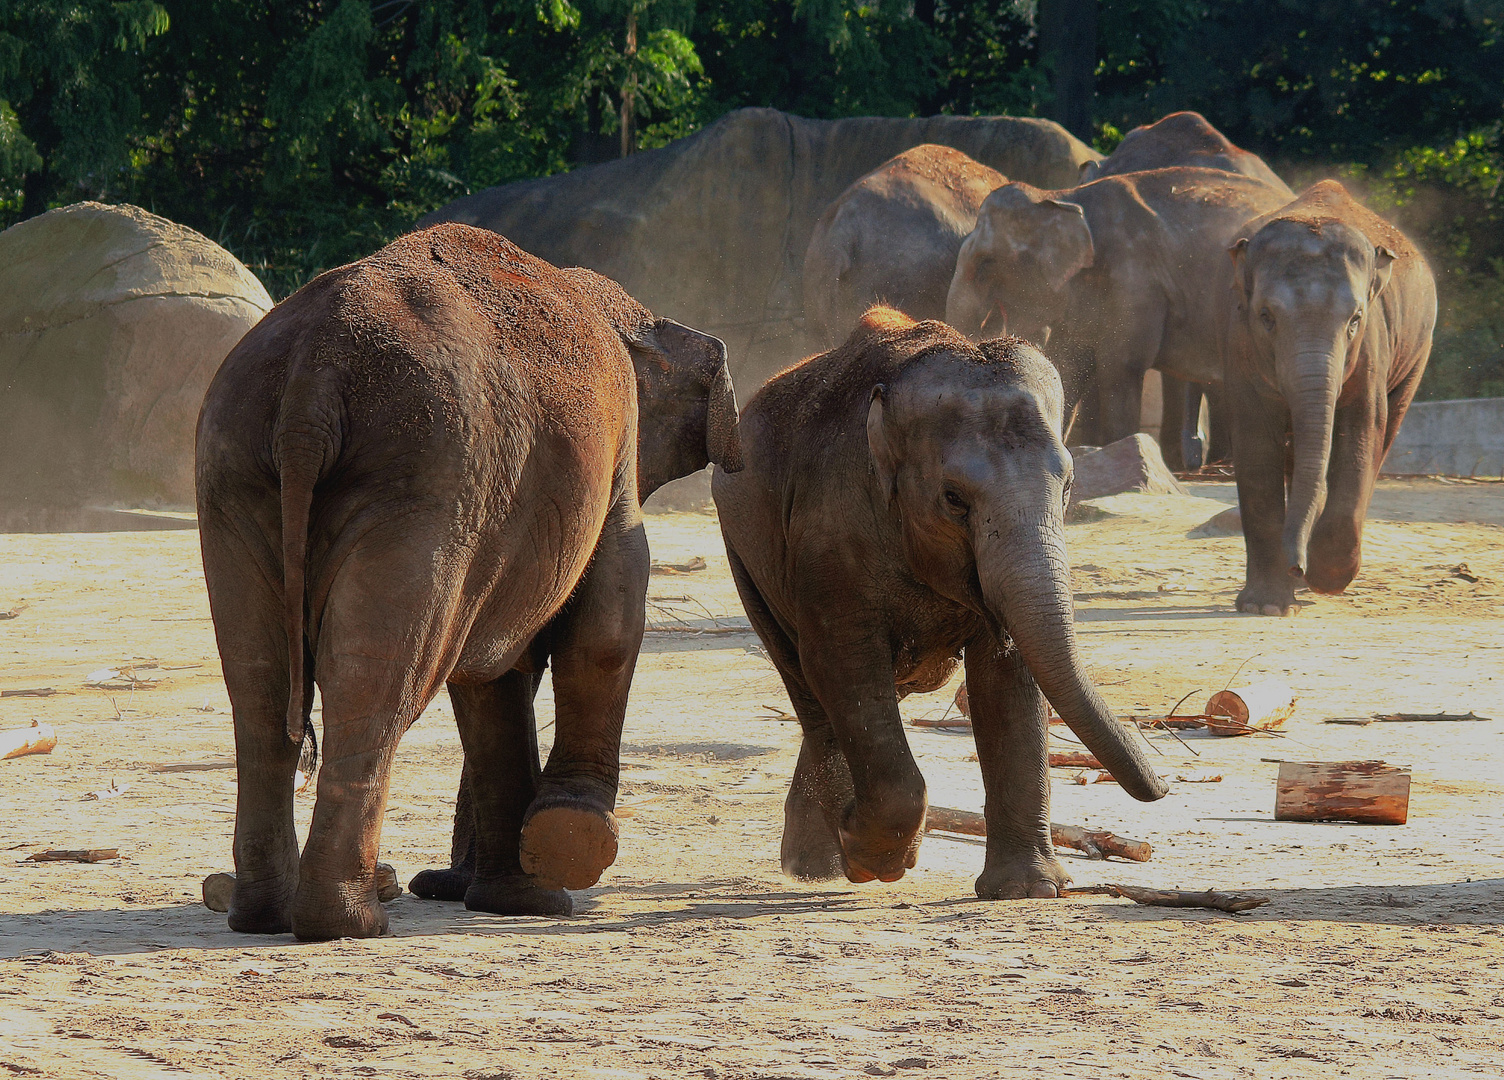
1380 954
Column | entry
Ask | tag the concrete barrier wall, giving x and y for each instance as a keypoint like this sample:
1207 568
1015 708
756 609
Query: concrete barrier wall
1450 438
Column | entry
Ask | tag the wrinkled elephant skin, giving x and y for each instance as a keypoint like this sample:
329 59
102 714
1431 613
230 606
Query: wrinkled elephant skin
1328 320
1114 276
892 238
380 465
902 503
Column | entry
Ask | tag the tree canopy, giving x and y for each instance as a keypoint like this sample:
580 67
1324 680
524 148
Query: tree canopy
304 133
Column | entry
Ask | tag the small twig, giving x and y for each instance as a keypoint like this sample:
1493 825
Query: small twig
1241 666
1167 727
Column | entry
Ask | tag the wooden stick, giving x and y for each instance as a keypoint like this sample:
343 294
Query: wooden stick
1095 843
1260 707
37 739
1232 903
85 855
1073 759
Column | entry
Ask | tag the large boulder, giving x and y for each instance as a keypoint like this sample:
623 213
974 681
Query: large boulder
112 323
712 229
1131 464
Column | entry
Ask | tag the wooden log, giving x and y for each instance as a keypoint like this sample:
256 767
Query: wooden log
1263 706
37 739
84 855
1368 792
1073 759
1211 898
1097 844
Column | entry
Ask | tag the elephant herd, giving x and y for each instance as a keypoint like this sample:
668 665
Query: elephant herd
426 469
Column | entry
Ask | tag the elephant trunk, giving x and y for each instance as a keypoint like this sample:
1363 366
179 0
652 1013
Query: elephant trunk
966 309
1312 395
1030 594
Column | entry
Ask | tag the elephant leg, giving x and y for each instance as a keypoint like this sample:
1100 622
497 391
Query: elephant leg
821 786
1192 445
1336 544
848 666
388 639
1171 420
1259 452
1121 369
1011 726
569 837
1218 426
513 696
501 754
247 614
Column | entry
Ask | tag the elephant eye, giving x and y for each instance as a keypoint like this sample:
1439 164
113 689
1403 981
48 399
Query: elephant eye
955 504
1066 495
1353 324
1267 319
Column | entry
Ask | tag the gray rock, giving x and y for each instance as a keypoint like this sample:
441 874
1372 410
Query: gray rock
1131 464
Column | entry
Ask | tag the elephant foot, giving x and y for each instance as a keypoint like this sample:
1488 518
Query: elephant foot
810 851
262 907
1267 600
517 894
883 841
866 862
447 884
568 843
323 911
1033 877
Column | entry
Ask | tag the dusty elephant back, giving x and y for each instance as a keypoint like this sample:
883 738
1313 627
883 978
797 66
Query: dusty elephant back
1182 138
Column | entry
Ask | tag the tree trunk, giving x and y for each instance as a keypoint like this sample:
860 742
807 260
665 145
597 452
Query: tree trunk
629 90
1068 42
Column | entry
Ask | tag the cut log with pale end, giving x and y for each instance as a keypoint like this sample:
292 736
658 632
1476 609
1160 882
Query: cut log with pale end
1073 759
963 701
1263 706
387 888
1232 903
218 888
1093 842
1368 792
37 739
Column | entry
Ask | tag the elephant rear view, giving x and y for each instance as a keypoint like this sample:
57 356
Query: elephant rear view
1328 324
891 238
903 502
404 471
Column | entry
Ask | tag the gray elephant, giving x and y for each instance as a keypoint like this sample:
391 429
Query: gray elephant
686 417
1115 276
892 238
1181 138
1328 322
404 472
902 504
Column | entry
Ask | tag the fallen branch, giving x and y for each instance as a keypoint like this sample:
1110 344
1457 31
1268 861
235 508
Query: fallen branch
693 566
1233 903
37 739
83 855
39 691
1096 844
1073 759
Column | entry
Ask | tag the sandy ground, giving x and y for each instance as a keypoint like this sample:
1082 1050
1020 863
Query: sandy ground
1381 954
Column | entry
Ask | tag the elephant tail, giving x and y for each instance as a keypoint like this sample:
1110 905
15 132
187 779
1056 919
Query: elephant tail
302 458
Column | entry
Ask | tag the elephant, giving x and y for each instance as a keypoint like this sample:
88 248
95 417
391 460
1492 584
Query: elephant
404 471
902 504
892 238
685 418
1181 138
1328 317
1112 277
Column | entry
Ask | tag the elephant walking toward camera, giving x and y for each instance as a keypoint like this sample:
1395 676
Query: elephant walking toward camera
903 503
1328 324
404 472
1117 276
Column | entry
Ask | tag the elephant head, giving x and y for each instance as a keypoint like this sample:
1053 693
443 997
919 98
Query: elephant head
1305 293
1014 268
686 404
967 452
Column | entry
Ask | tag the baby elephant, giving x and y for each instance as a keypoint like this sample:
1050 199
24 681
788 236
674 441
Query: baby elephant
903 502
404 472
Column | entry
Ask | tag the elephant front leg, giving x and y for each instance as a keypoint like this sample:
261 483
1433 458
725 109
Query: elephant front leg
1336 545
1259 460
570 835
1011 727
501 772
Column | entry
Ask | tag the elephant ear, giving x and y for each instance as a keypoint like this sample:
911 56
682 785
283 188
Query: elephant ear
1238 253
883 457
704 355
1383 268
1069 248
1089 172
